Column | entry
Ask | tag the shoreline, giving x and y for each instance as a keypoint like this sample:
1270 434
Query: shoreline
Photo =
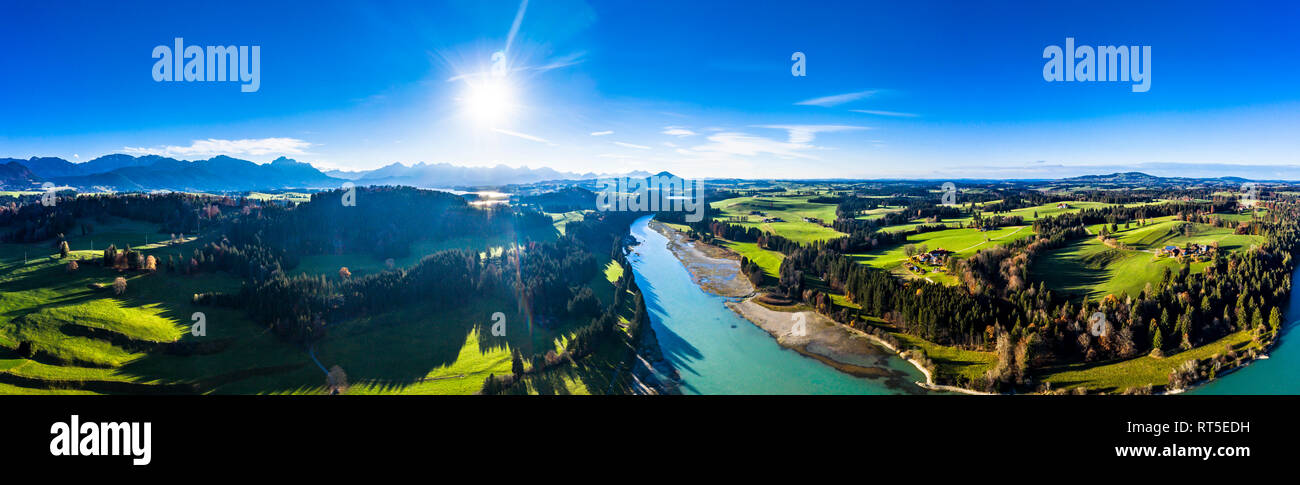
839 346
846 349
827 347
714 269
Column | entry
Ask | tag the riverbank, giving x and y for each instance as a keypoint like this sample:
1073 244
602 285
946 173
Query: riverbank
651 373
813 335
713 268
848 349
717 270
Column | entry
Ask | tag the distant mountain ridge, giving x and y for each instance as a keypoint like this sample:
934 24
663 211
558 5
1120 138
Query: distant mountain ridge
122 172
447 175
1131 178
16 175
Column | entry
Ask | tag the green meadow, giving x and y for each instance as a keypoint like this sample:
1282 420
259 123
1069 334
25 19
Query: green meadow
791 210
1093 269
93 341
1136 372
962 242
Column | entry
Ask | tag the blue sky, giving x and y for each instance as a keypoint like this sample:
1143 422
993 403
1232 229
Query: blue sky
941 90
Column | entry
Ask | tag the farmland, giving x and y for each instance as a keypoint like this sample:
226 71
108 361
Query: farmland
59 335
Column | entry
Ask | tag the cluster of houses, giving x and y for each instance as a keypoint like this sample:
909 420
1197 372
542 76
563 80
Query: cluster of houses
765 218
935 258
1192 249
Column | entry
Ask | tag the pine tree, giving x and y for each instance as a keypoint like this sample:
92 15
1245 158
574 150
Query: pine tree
516 363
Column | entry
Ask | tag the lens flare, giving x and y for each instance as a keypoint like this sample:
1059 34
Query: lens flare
489 101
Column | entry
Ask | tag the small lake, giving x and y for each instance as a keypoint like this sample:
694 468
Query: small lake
717 351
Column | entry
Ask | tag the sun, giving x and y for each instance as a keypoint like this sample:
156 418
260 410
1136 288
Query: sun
489 101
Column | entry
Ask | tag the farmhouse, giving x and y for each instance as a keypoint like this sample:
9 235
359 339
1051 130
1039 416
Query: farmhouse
1062 205
934 258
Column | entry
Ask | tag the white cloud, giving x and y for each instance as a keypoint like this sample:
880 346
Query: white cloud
521 135
677 131
806 133
733 144
214 146
602 133
630 145
885 113
837 99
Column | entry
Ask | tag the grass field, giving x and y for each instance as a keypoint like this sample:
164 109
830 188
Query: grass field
770 261
952 361
791 210
963 242
1090 268
93 341
1136 372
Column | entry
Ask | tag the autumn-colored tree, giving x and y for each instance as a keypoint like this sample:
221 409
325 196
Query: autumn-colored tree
72 266
150 263
344 273
63 249
119 285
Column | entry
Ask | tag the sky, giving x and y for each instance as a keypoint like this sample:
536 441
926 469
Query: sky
933 90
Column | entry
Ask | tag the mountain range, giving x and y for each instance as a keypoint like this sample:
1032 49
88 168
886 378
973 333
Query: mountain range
127 173
448 175
121 172
1140 178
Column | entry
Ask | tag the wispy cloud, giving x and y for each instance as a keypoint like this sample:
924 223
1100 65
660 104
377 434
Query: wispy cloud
806 133
525 136
677 131
214 146
885 113
602 133
630 145
837 99
514 26
733 144
559 62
